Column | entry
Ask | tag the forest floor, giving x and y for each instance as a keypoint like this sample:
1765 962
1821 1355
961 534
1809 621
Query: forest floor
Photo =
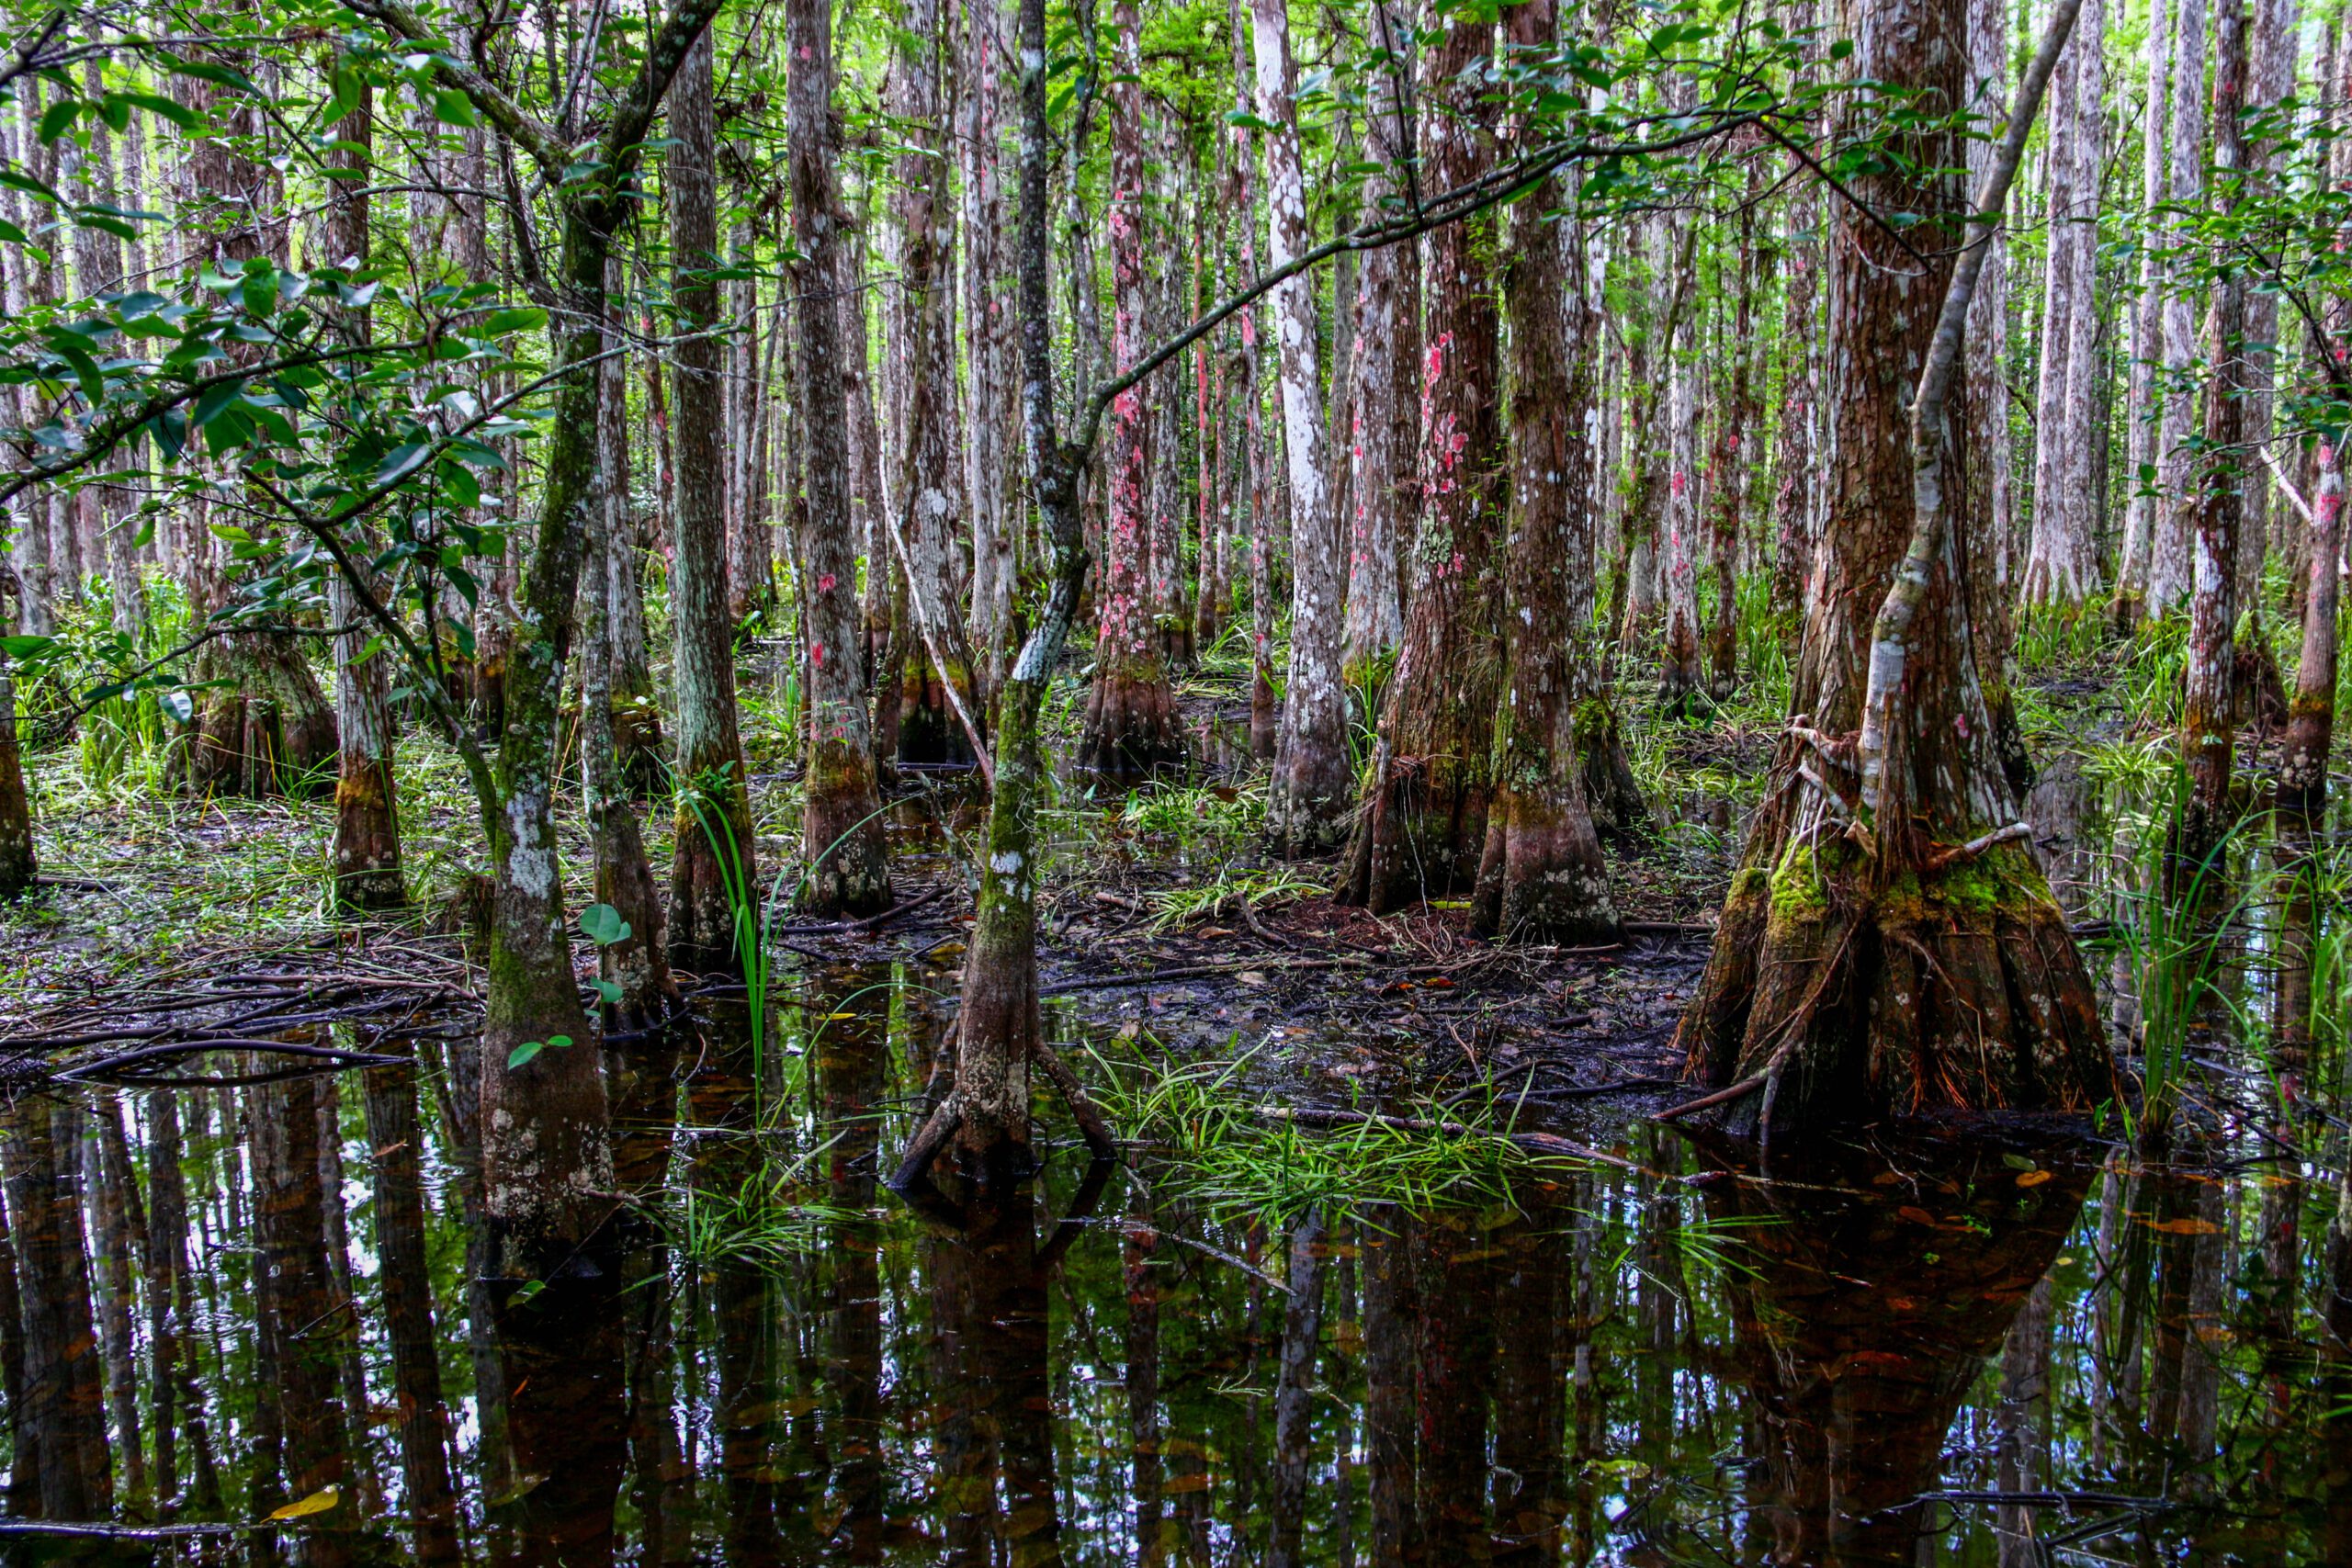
1165 926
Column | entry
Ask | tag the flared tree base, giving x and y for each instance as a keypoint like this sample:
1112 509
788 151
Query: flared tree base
2303 760
1422 836
367 838
1132 729
929 732
1612 795
1954 989
266 729
1543 878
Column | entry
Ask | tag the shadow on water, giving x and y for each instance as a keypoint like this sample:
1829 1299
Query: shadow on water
1965 1347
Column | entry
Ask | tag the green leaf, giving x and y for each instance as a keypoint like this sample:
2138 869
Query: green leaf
57 118
606 989
85 369
15 180
604 925
214 399
451 106
25 646
522 320
179 114
458 484
402 460
179 705
523 1054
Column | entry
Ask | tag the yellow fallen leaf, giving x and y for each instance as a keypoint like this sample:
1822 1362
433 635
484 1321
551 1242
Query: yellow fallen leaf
318 1502
2186 1227
2032 1178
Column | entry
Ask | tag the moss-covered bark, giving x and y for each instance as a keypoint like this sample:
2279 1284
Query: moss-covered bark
1422 832
841 833
1890 944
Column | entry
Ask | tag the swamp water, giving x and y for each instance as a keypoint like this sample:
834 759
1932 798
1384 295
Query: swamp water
1248 1344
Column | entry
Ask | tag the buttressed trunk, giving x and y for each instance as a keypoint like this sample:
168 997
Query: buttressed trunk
1425 825
1542 874
1889 945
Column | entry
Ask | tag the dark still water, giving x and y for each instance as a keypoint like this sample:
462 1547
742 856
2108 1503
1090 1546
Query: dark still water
226 1303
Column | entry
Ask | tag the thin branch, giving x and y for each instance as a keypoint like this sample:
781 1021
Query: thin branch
27 54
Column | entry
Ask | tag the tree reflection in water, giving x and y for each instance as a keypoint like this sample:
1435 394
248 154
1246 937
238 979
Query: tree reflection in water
791 1366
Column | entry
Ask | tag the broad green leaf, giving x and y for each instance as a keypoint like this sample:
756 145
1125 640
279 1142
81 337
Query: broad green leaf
179 114
604 925
521 319
451 106
401 461
522 1054
57 118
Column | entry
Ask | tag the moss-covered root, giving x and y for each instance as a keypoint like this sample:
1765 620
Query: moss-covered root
1958 988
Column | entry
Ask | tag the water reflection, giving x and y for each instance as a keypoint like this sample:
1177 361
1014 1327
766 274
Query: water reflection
228 1303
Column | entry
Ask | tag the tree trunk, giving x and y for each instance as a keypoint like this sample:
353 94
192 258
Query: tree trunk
2143 405
2061 565
171 1314
109 1225
1681 680
2171 571
1423 830
1294 1387
1863 970
366 853
644 997
1542 877
1170 619
2209 718
1735 476
1132 729
60 1426
1385 425
2310 720
297 1304
842 816
18 865
932 514
997 1030
1308 804
988 462
712 872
